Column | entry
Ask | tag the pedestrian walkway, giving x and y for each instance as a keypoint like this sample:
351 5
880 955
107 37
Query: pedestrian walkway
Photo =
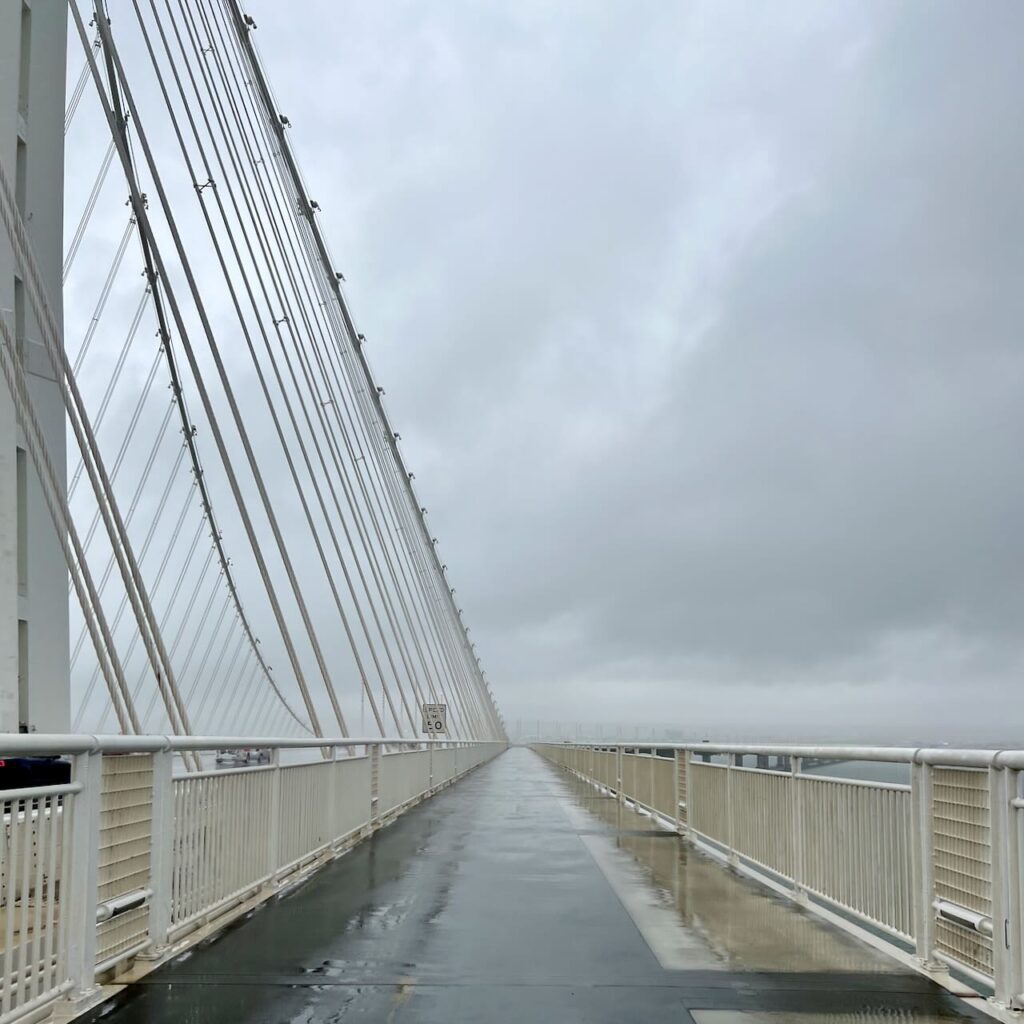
523 895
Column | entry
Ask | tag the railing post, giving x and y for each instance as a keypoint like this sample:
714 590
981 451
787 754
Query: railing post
374 783
797 831
678 757
687 811
274 824
1006 925
619 759
730 764
161 851
1015 877
81 891
924 865
334 812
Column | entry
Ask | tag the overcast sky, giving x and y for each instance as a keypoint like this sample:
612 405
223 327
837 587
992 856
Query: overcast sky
701 325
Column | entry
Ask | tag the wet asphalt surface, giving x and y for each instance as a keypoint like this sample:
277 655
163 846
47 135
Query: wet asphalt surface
505 899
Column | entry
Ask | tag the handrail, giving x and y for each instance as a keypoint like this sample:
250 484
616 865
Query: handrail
14 744
9 796
949 756
887 856
216 841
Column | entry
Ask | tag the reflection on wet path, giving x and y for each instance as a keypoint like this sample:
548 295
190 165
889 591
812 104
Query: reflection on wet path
744 926
523 895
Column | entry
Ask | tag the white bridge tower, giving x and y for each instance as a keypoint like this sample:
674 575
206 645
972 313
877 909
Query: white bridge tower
34 670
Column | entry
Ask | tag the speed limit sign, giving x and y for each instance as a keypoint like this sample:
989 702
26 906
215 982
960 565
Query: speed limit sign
435 719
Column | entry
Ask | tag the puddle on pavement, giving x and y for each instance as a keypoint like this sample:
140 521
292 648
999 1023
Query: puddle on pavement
729 921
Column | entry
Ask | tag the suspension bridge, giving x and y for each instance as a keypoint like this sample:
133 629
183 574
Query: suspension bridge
249 754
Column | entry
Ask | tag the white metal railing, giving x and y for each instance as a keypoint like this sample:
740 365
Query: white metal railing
36 847
129 857
931 864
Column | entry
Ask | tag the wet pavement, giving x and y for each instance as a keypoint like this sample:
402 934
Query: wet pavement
521 894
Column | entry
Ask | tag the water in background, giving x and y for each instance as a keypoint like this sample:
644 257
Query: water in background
864 771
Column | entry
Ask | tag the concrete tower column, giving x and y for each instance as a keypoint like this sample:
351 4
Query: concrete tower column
34 656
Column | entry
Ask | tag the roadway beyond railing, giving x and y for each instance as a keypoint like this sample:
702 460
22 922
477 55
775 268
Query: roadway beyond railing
929 868
129 859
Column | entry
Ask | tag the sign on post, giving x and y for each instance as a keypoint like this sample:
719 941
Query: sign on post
435 719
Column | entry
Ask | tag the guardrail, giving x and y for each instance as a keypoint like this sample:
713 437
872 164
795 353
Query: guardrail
129 858
931 866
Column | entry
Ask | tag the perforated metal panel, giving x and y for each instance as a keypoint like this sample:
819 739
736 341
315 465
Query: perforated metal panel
681 786
126 812
962 844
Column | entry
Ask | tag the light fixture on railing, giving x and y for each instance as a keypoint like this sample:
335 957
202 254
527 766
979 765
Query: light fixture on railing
963 917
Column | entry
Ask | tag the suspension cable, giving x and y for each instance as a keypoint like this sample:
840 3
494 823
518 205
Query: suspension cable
286 264
301 206
90 205
289 409
142 216
74 558
76 94
94 464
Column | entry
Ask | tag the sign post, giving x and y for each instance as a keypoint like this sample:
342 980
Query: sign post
435 719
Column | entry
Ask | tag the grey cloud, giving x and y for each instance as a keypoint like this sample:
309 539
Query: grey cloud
701 326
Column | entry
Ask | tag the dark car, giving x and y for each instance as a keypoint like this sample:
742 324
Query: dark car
30 772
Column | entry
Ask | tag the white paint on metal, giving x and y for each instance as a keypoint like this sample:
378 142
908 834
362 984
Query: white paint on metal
937 863
34 646
127 858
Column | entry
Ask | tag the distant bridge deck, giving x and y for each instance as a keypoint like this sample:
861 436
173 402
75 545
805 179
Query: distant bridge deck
523 895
